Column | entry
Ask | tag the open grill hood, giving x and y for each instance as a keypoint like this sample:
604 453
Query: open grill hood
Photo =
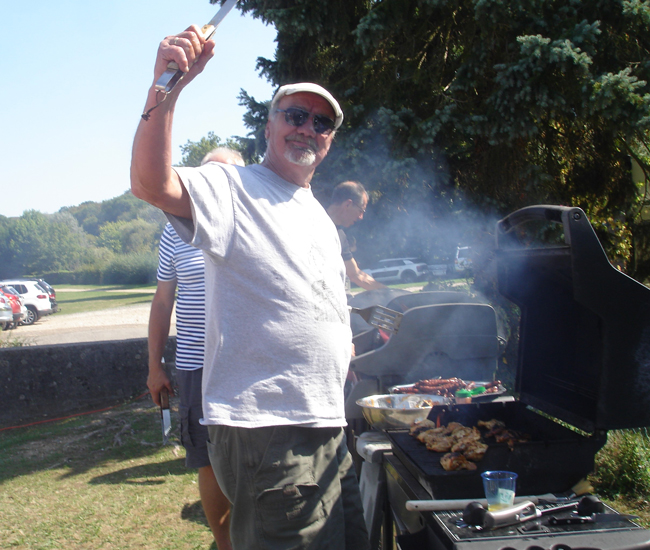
584 348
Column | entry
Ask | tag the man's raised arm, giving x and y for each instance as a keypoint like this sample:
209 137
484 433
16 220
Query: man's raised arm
152 177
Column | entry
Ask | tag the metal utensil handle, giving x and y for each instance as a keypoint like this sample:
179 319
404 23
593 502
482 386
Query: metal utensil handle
459 504
519 513
173 74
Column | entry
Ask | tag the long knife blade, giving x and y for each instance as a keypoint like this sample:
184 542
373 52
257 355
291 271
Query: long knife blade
211 27
165 415
173 74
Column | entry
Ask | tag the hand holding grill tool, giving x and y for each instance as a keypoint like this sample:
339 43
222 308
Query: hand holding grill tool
165 415
380 317
173 74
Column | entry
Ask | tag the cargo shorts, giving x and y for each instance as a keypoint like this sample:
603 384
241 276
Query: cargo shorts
290 486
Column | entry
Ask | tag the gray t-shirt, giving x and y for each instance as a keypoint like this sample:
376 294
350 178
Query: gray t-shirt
278 339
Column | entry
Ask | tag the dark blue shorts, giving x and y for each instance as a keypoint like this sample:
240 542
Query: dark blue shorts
194 436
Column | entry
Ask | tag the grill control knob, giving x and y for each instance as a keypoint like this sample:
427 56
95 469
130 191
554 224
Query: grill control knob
474 513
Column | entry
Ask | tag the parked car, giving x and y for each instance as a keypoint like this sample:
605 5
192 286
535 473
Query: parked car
51 293
6 316
463 261
18 309
37 301
398 270
440 265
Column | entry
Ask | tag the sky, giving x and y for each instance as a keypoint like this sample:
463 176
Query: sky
75 79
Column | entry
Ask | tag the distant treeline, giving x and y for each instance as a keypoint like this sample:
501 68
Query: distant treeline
110 242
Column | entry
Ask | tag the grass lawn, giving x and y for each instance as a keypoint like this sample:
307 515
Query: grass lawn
99 481
83 298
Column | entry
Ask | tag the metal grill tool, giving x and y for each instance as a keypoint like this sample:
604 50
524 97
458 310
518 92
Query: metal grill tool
380 317
173 74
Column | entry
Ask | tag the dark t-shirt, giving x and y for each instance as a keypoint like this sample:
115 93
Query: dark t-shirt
346 253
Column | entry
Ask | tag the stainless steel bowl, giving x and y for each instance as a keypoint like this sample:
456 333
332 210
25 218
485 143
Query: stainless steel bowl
398 411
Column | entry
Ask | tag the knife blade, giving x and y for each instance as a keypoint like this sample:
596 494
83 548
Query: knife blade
165 415
173 74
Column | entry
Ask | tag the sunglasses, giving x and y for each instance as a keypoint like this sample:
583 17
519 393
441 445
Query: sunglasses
297 117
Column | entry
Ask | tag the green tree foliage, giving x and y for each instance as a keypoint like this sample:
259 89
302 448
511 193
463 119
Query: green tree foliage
92 215
194 151
129 237
452 104
37 242
96 241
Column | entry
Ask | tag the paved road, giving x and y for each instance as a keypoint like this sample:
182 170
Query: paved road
122 323
110 324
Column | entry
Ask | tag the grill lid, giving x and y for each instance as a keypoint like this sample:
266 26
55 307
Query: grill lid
584 348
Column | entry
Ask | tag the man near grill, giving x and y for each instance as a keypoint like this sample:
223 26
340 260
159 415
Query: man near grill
347 206
181 266
278 340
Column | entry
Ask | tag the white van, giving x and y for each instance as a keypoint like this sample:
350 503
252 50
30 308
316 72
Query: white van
463 260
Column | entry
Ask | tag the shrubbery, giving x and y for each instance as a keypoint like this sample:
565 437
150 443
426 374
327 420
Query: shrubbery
623 464
121 269
131 269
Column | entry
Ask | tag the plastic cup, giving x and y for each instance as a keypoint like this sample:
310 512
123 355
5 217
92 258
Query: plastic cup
499 489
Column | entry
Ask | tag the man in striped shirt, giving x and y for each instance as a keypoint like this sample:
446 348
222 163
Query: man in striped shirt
181 266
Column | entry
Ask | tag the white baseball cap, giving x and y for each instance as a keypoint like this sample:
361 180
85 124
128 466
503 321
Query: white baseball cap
311 88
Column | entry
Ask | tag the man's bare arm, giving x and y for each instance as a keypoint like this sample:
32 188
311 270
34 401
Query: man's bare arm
162 306
361 278
152 176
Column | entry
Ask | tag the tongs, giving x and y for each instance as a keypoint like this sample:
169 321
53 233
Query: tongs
380 317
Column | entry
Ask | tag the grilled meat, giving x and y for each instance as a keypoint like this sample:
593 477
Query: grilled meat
446 387
456 461
421 426
439 444
463 432
475 451
511 437
454 437
463 441
490 424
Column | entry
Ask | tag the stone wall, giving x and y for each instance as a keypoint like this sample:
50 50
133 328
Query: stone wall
41 382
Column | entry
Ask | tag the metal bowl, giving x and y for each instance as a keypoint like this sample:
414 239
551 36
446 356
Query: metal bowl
398 411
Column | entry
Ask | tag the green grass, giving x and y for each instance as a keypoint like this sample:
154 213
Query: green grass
84 298
102 480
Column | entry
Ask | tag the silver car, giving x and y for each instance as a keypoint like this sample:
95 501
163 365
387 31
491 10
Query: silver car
6 316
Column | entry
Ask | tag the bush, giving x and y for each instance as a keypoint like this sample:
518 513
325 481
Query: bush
623 464
131 269
85 275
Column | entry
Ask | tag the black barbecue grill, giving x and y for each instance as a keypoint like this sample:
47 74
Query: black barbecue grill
583 369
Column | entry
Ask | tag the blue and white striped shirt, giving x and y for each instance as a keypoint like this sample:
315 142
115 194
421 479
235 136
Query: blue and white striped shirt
184 264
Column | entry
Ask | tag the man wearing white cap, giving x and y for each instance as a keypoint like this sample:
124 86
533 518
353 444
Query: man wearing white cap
278 340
